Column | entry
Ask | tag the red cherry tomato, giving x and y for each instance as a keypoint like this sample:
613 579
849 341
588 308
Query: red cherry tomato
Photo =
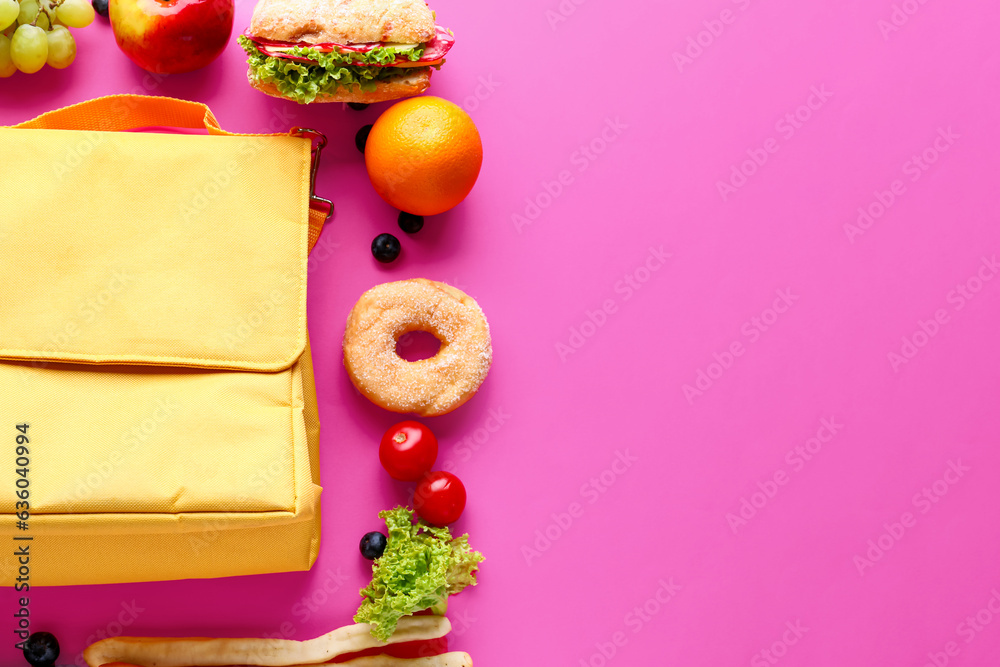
408 450
439 498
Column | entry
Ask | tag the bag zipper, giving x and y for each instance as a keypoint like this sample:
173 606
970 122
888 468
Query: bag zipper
319 143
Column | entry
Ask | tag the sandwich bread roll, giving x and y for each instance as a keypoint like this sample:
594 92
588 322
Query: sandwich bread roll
343 50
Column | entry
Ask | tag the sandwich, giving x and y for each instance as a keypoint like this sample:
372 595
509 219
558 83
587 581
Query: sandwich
359 51
419 641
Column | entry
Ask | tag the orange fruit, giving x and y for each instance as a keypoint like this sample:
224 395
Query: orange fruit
423 155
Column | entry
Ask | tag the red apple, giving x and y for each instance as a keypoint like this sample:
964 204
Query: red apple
172 36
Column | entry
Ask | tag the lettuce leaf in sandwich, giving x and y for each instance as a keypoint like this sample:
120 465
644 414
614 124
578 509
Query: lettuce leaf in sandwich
327 71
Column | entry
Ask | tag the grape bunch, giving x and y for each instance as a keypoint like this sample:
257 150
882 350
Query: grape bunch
35 33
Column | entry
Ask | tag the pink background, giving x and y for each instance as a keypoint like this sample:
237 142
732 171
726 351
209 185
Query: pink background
542 86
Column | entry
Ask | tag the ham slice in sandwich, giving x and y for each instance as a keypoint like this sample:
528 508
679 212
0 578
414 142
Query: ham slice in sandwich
360 51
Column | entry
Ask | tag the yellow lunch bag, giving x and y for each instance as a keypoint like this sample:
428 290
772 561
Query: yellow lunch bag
157 388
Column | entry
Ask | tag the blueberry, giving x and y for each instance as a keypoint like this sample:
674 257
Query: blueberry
101 7
409 223
41 649
385 248
357 106
361 138
373 545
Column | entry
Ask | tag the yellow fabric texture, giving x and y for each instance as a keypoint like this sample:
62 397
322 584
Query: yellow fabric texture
153 336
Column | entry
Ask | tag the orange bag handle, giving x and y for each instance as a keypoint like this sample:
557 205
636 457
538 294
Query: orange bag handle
117 113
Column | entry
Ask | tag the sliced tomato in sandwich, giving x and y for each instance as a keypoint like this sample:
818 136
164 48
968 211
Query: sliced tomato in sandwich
418 649
434 50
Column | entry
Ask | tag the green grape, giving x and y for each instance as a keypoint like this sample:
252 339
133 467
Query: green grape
42 21
27 12
7 66
62 48
75 13
9 11
29 48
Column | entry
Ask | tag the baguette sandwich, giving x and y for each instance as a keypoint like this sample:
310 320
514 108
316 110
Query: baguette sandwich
350 646
359 51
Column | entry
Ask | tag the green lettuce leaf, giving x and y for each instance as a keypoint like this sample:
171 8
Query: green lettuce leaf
422 565
303 82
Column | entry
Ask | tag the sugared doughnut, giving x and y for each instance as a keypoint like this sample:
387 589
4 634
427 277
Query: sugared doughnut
428 387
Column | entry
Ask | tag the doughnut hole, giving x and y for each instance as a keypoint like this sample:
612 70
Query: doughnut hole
417 345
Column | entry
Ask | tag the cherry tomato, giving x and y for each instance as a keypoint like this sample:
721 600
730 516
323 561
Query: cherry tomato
439 498
408 450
